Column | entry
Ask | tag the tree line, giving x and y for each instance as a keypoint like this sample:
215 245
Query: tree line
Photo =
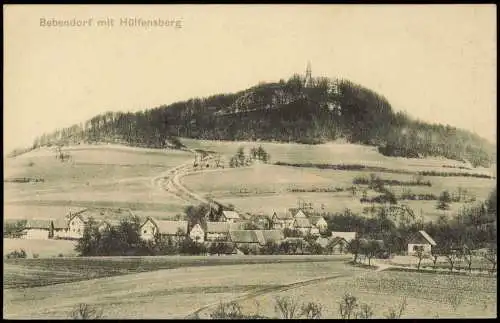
286 111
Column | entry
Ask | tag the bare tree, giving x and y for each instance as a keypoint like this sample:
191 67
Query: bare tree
397 313
420 254
85 311
467 255
491 255
287 307
348 306
452 256
365 311
312 310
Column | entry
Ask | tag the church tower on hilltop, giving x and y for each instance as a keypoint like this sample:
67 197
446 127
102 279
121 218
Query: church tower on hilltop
308 80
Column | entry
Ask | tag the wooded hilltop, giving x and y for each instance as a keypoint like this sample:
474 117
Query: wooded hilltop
286 111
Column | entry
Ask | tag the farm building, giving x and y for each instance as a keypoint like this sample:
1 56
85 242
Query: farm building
38 229
76 225
230 216
275 236
152 228
60 228
197 233
337 245
220 230
319 222
302 225
297 213
348 236
246 239
420 239
294 245
282 220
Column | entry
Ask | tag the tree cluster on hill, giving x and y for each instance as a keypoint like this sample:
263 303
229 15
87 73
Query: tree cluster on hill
286 111
240 159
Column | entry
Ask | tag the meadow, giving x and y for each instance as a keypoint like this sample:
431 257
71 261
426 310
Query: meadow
164 293
427 295
41 248
268 188
103 175
334 153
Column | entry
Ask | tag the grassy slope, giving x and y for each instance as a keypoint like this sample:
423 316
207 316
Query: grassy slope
95 176
264 188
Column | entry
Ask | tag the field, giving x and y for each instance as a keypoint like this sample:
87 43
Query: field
108 176
428 295
164 293
266 188
42 248
334 153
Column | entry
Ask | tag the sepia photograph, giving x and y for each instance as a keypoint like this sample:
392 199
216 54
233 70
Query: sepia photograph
249 161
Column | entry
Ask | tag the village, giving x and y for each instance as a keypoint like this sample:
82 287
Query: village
299 226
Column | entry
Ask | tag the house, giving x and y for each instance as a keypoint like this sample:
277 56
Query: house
76 224
220 230
337 245
38 229
303 225
248 239
348 236
151 228
282 220
274 236
60 229
297 213
319 222
197 233
230 216
420 239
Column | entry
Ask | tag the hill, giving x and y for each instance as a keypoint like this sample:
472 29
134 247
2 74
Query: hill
287 111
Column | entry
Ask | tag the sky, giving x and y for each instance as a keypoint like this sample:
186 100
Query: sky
437 62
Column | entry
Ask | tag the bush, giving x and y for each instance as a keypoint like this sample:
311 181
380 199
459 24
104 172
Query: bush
16 254
227 311
287 307
35 256
85 311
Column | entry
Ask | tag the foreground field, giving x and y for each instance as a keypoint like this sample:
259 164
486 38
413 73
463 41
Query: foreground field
41 248
170 293
428 295
107 176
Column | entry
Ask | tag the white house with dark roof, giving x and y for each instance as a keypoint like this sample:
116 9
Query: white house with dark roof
420 239
319 222
152 228
230 216
197 233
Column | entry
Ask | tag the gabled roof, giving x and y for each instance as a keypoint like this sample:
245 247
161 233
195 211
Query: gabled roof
217 227
244 236
315 219
272 235
302 223
231 214
427 237
283 216
335 241
171 227
60 224
294 211
38 224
